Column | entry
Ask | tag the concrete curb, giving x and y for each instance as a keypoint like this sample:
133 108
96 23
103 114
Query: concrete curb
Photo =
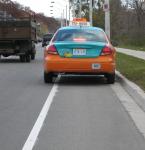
133 90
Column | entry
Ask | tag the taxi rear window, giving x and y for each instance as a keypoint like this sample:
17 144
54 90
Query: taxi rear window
80 35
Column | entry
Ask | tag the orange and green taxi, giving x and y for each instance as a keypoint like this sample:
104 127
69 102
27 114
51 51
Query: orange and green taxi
79 50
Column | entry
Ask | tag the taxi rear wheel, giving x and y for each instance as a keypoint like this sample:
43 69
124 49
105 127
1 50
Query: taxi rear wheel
48 77
110 78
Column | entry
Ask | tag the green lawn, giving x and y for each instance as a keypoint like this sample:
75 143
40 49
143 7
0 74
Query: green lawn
132 68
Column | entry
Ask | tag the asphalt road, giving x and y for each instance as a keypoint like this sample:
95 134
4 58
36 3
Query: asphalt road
85 113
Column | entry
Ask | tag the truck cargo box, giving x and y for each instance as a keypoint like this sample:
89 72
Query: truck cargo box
17 29
17 37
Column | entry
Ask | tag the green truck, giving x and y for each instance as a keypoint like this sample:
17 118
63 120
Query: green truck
18 37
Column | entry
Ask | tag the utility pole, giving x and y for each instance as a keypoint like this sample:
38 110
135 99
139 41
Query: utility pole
80 9
107 17
91 13
61 19
66 17
69 10
73 11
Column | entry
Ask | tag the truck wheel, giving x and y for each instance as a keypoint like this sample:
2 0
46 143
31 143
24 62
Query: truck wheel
32 56
28 59
48 77
22 58
110 78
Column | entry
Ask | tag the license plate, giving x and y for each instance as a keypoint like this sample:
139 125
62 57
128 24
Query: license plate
79 52
96 66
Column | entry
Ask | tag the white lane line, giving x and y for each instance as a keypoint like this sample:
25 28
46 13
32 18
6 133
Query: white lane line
31 140
136 113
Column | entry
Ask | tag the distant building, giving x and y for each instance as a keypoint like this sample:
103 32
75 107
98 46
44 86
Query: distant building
5 16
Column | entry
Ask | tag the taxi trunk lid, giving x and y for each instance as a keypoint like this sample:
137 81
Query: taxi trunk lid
79 50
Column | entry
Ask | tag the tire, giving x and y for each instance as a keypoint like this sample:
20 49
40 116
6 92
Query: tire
110 78
32 56
22 58
48 77
28 59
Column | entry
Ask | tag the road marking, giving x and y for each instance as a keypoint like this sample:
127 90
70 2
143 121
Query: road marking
136 113
31 140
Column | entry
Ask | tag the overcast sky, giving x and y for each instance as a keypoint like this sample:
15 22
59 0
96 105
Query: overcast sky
44 6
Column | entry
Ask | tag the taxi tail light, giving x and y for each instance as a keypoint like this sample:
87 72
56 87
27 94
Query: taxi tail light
51 50
106 51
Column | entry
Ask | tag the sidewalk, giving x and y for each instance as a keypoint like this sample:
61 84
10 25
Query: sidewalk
138 54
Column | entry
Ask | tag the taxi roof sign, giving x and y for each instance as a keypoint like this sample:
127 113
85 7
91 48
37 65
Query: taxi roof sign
79 22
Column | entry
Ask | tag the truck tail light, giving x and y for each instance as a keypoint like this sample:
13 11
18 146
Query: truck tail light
51 49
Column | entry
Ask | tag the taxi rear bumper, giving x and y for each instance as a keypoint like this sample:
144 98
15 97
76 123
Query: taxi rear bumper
57 64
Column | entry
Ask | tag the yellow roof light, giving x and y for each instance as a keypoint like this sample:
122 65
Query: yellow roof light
79 22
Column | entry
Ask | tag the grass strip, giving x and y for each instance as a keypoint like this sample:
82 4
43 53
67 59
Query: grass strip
132 68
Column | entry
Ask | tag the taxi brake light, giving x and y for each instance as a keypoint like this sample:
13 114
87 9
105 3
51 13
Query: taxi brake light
106 51
51 49
79 39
